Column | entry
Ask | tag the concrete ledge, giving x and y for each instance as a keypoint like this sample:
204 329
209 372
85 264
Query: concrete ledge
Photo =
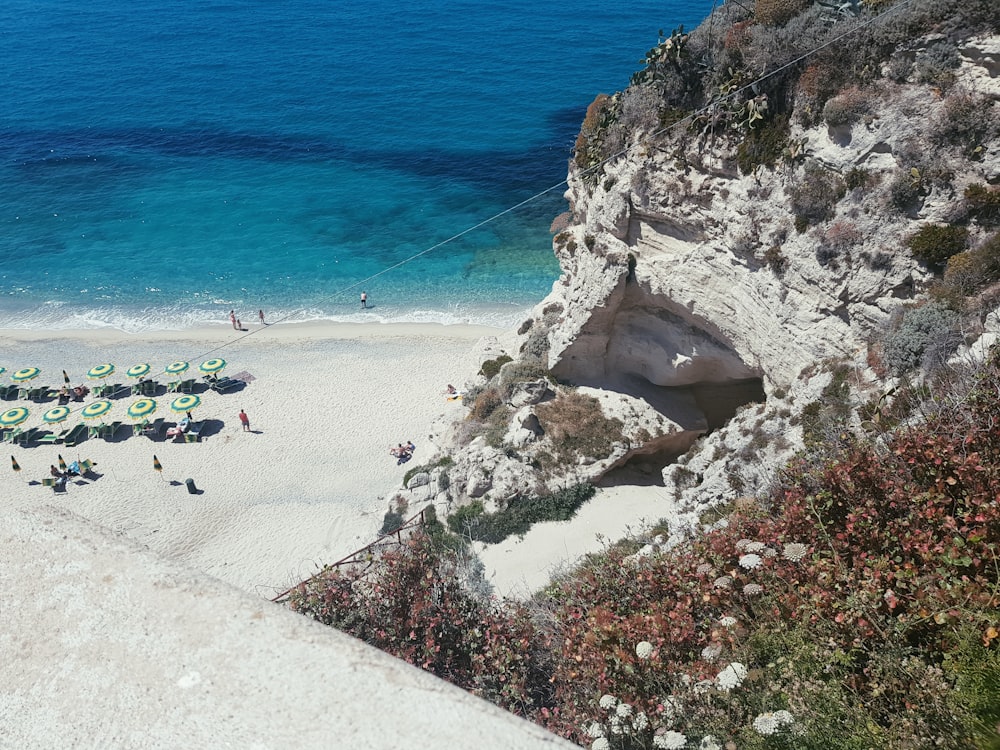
104 644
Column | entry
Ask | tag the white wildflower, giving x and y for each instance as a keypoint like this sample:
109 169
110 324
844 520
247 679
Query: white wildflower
795 551
669 740
750 561
640 722
769 552
728 621
753 589
708 742
601 743
711 652
723 582
732 676
595 730
703 687
771 721
624 710
704 569
644 649
766 724
608 702
756 547
742 544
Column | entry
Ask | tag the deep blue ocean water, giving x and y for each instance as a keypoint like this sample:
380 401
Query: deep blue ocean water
162 163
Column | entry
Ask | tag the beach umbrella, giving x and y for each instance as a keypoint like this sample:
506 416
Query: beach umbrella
101 371
185 403
65 378
14 465
96 409
56 414
176 368
26 374
210 366
2 371
141 408
137 371
156 464
62 463
13 417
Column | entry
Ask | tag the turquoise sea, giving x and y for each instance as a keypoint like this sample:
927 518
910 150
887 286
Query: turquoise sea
162 163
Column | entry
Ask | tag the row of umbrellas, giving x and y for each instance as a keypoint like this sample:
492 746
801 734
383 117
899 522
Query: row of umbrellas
62 463
208 367
137 410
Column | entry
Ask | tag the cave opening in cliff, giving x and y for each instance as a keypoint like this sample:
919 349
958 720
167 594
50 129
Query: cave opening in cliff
698 408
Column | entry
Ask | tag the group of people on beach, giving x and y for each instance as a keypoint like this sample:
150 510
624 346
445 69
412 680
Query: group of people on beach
238 324
403 453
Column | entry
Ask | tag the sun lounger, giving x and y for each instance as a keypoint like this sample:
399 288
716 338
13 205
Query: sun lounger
108 431
193 435
187 386
174 386
57 484
77 435
155 430
8 391
54 437
224 384
27 436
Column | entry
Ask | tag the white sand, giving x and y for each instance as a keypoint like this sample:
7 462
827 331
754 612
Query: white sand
303 490
520 566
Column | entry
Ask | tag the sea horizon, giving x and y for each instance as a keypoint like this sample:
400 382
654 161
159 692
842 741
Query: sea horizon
166 164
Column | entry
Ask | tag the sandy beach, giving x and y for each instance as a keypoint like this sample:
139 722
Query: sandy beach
307 486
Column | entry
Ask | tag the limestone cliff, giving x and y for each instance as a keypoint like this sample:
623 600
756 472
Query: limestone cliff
700 276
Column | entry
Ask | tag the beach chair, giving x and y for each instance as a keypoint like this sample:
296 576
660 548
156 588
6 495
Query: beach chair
8 391
27 436
57 484
225 384
149 387
155 430
139 427
108 431
53 437
193 435
174 386
76 435
11 435
187 386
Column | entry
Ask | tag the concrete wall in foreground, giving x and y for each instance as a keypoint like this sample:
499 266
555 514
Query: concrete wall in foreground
104 644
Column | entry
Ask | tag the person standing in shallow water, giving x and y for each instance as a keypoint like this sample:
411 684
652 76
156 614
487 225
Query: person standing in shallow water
364 300
260 314
232 317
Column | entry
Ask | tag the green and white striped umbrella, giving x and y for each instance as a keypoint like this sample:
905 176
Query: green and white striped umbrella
185 402
141 408
26 374
176 368
101 371
96 409
137 371
56 414
3 370
13 417
210 366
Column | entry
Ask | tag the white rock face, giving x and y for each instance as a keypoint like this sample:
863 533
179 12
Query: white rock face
690 290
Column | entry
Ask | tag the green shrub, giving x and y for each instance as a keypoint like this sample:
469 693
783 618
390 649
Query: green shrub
973 270
966 122
983 204
392 520
858 178
519 515
763 145
847 107
491 367
577 427
937 63
776 260
916 331
815 196
933 244
775 12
